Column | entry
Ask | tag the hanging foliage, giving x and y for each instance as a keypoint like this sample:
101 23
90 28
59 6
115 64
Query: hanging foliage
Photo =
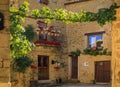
22 63
20 46
30 33
104 15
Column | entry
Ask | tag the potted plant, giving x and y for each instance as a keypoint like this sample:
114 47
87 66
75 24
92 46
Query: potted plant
57 68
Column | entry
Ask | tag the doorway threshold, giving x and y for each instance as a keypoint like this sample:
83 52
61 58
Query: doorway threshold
102 83
44 81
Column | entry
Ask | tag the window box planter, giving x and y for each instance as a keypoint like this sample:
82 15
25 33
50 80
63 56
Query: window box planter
33 67
48 42
57 68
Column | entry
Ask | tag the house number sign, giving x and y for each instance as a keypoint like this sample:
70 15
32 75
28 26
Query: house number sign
1 21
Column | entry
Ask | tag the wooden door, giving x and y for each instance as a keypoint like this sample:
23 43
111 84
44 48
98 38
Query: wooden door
43 67
102 71
74 61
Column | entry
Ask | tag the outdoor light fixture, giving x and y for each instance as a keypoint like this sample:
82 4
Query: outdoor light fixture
1 21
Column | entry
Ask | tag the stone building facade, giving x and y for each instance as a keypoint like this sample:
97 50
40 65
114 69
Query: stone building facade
46 58
4 45
79 36
74 36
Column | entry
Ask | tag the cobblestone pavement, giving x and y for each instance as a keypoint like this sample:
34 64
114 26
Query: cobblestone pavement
85 85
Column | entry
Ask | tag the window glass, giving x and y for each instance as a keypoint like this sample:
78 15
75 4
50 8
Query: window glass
93 39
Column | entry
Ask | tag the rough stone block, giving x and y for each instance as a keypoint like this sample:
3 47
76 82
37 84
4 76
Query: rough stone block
4 40
4 72
1 59
7 23
6 63
1 64
5 85
4 7
6 15
3 2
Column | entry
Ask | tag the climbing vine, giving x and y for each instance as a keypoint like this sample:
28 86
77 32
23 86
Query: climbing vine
102 16
20 46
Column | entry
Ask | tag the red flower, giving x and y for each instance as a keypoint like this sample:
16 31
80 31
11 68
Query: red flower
57 68
93 48
33 66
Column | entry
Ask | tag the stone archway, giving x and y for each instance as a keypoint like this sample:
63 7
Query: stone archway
116 51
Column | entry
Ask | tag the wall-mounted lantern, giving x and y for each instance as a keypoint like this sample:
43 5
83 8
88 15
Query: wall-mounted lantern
1 21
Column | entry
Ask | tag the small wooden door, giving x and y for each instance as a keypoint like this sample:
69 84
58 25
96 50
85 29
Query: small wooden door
102 71
43 67
74 61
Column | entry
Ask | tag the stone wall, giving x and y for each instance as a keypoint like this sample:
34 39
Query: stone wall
76 38
52 52
24 79
76 32
86 74
116 51
4 46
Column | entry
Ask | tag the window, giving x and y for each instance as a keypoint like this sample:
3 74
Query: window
95 39
43 1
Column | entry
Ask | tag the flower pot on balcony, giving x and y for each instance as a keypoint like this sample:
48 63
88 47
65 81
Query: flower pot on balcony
93 48
56 68
33 67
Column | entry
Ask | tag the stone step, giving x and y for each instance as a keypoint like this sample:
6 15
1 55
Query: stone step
72 81
5 85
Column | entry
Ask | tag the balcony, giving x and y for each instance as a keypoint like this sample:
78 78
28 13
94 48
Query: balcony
48 43
47 36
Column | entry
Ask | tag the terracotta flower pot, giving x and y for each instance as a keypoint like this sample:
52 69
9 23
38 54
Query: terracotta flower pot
94 48
57 68
33 67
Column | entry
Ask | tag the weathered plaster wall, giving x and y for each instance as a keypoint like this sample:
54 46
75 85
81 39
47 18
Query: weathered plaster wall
4 46
116 51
